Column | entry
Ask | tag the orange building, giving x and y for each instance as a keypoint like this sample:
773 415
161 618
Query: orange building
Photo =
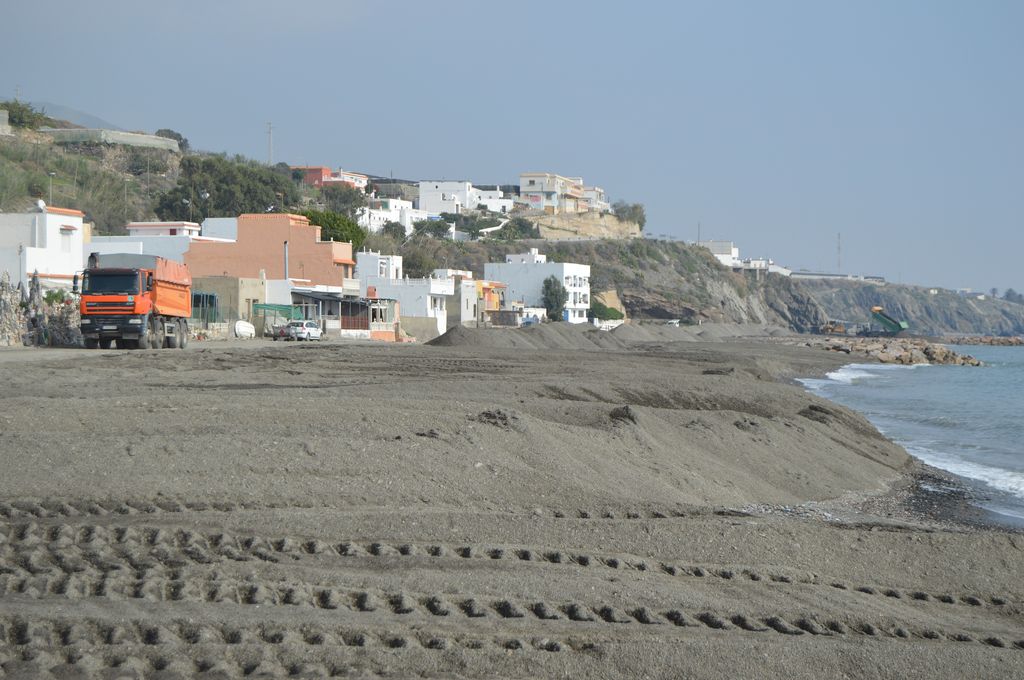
259 246
313 175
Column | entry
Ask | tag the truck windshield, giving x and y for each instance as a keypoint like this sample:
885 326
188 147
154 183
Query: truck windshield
120 282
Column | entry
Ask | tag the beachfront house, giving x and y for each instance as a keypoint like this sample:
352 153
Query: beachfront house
423 301
478 303
524 275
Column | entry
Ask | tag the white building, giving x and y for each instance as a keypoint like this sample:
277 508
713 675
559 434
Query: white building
423 302
225 228
728 254
445 197
353 179
493 200
170 240
554 194
163 229
596 200
48 241
525 273
380 211
454 197
725 252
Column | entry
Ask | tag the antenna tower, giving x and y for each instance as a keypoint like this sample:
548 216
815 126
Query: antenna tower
270 143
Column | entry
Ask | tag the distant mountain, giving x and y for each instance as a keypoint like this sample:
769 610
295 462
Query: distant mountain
73 116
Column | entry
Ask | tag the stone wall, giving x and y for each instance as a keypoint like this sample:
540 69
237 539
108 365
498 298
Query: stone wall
12 319
54 324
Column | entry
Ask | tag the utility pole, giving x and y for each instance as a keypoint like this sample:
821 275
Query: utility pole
270 143
698 233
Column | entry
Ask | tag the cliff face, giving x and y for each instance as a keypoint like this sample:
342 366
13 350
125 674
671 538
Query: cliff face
942 313
586 225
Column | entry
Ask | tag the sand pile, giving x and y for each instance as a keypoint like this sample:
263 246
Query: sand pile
585 337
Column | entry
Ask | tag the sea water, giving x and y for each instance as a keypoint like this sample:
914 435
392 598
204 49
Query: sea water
965 420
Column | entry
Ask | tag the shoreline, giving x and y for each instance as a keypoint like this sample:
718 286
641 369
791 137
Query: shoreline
923 496
926 493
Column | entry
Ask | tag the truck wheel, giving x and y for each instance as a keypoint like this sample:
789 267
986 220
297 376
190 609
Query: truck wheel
173 341
184 333
105 343
156 336
91 343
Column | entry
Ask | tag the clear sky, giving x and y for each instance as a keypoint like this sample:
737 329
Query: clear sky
778 125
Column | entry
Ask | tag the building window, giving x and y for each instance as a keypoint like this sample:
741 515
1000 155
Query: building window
532 183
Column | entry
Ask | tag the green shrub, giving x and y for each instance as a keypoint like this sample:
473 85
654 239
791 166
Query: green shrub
604 312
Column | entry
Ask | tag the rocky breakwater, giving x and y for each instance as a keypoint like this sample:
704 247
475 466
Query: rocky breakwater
998 340
904 351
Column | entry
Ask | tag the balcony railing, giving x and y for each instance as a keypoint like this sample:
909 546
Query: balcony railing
350 287
435 286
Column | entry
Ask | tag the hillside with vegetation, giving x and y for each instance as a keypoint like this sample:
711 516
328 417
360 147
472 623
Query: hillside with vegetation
655 280
115 184
110 184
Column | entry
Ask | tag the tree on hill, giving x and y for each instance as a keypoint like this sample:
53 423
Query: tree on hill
604 312
395 230
336 226
470 224
1010 295
435 228
213 186
167 133
22 115
418 262
554 295
342 198
518 228
630 212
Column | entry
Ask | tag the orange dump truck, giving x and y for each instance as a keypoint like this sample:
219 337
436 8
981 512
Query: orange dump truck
135 301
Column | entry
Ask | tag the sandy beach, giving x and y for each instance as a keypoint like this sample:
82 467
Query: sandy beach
490 506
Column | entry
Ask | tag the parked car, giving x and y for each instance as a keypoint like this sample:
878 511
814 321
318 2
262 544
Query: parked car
300 330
